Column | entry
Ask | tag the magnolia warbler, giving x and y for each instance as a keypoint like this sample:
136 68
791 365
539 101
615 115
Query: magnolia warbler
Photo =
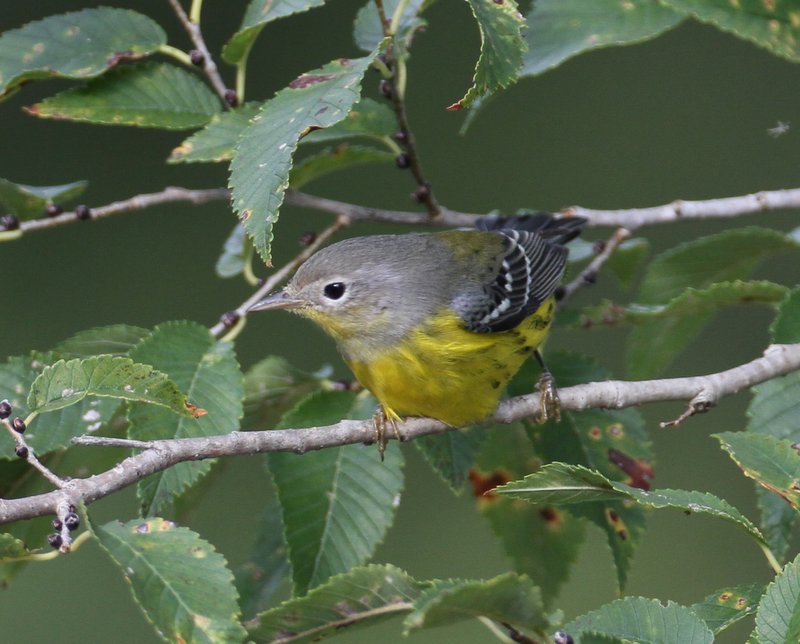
437 324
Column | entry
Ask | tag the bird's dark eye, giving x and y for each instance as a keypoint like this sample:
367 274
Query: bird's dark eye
334 290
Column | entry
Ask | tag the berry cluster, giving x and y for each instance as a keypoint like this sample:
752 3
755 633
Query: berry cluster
18 425
72 522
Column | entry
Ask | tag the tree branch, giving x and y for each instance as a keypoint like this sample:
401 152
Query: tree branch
589 274
701 391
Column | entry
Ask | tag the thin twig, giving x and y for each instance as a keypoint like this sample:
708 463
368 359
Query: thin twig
209 66
279 276
589 274
777 360
22 444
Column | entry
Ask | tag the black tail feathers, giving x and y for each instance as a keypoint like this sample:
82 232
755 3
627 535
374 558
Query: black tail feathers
557 230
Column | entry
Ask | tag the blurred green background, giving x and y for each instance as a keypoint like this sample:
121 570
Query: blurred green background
683 116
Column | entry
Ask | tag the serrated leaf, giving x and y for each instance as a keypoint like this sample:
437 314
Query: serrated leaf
332 159
258 14
508 598
560 483
217 140
208 371
560 29
232 260
146 95
360 597
267 568
786 327
452 454
368 118
626 261
502 48
337 503
541 542
663 331
80 44
645 621
68 382
778 519
260 168
368 31
778 616
726 256
773 463
115 340
30 202
771 25
728 605
181 583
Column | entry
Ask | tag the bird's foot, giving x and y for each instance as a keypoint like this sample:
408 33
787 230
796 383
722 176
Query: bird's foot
380 420
550 403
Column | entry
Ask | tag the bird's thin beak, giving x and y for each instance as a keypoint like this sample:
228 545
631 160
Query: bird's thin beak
276 300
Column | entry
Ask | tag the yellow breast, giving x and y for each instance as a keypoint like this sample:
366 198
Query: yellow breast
444 371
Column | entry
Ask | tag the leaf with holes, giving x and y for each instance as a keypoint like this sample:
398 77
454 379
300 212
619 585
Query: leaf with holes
30 202
560 29
260 169
208 371
337 503
80 44
155 95
181 583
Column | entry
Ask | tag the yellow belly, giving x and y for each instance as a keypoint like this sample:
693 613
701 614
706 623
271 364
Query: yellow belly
443 371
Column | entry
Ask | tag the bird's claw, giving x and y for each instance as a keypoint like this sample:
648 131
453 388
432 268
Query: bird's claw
550 403
380 420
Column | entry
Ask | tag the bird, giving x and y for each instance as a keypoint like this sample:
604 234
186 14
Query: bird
436 324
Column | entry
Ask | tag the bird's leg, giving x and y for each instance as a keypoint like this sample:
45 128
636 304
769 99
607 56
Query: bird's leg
549 400
380 419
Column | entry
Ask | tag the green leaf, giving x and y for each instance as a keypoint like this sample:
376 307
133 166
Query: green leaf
663 331
728 605
263 574
771 25
626 261
207 370
260 168
507 598
368 118
337 503
81 44
360 597
773 463
644 621
726 256
560 483
786 327
541 542
181 583
332 159
68 382
561 29
146 95
271 387
12 548
217 140
368 31
115 340
232 260
778 519
452 454
29 202
502 47
778 617
258 14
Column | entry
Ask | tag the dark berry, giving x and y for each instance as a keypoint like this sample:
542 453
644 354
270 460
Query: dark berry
230 97
560 637
402 160
53 210
401 136
55 540
83 212
421 194
18 424
229 319
21 451
72 521
599 247
308 238
5 409
9 222
197 58
57 524
385 88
